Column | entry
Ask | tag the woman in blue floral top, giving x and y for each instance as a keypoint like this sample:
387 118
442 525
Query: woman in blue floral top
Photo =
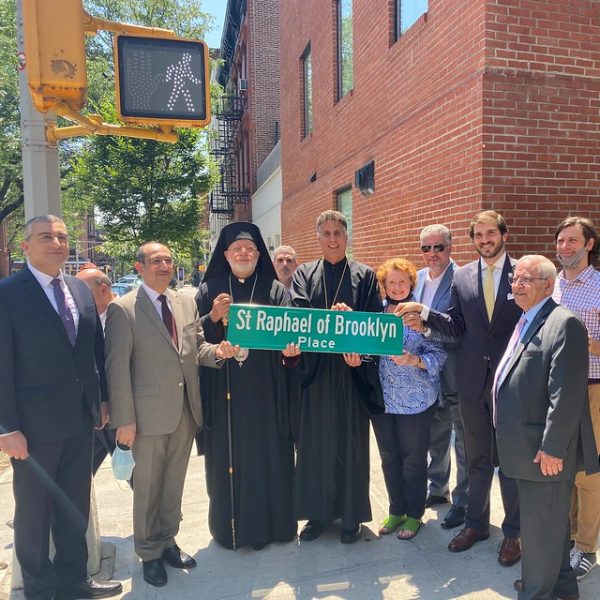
411 385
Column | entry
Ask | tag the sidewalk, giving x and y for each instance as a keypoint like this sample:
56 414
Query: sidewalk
371 569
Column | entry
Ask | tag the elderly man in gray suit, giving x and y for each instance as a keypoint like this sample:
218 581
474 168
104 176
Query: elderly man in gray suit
543 426
154 343
434 283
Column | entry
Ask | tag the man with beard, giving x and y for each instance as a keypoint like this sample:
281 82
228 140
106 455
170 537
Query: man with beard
483 315
284 261
247 443
578 288
337 394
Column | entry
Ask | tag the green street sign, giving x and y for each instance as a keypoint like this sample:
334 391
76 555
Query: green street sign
314 329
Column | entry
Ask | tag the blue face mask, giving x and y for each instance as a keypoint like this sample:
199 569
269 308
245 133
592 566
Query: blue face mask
122 464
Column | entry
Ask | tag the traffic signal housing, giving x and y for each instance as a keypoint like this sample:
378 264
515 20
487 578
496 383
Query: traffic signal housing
55 53
162 81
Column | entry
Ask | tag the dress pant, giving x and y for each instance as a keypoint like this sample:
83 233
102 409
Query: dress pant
480 444
52 492
447 416
104 444
161 463
403 441
585 501
545 542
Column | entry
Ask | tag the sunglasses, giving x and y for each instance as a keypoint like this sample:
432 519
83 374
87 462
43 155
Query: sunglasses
437 248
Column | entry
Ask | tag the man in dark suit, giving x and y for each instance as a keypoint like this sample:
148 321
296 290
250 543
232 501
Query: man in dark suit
482 314
434 283
543 426
52 370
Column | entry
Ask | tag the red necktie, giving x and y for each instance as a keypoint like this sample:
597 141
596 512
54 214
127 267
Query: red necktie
168 319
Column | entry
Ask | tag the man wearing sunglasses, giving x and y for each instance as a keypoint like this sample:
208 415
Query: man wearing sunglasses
482 315
433 289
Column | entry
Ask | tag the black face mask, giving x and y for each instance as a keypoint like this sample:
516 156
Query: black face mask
392 301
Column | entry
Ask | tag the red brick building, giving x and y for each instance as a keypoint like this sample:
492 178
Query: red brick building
477 104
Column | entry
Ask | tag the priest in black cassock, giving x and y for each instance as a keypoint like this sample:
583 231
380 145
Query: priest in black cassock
252 506
338 392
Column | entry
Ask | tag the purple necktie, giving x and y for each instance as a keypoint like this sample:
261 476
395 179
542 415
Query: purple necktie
64 312
168 319
508 354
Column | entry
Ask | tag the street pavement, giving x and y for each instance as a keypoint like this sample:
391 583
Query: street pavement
371 569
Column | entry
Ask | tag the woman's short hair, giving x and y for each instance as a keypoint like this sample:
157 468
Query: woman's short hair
397 264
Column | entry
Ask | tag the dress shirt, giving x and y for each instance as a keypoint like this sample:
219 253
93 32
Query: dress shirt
431 286
582 296
46 282
497 273
153 295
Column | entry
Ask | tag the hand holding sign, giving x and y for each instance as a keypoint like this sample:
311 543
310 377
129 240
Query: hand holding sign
220 307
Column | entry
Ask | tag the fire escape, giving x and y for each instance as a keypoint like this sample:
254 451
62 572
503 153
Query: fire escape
228 192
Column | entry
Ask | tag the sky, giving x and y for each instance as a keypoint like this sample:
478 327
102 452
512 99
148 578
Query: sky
217 9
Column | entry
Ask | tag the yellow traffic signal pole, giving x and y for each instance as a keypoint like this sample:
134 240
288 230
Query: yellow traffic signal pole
41 177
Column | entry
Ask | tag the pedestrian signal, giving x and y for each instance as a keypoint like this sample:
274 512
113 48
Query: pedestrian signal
162 81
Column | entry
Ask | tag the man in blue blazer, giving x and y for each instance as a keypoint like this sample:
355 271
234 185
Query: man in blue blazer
52 372
543 426
482 315
433 287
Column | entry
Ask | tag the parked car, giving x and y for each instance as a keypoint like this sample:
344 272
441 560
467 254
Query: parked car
132 280
120 288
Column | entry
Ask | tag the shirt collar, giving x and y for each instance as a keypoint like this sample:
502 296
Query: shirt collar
534 310
586 274
499 264
152 294
44 279
439 277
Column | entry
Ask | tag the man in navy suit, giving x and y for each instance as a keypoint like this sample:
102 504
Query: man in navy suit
52 371
433 289
483 315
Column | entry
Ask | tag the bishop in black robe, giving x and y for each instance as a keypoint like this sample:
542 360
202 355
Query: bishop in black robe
262 450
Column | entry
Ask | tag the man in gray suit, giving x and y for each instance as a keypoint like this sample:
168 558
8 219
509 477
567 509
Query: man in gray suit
433 289
154 343
543 426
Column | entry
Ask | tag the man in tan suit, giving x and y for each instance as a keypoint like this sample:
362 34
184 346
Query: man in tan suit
154 343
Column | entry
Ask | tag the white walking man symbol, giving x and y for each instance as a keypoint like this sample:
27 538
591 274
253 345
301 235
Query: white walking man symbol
181 73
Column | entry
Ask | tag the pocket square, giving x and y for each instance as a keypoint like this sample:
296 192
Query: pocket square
509 296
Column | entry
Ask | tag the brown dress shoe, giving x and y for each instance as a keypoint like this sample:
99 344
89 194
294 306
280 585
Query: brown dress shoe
518 585
510 552
465 538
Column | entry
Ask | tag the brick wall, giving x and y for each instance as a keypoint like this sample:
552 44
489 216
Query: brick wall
478 105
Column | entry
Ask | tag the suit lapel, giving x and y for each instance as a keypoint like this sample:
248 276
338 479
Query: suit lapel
35 291
444 286
80 303
177 315
477 283
538 321
421 279
503 289
152 314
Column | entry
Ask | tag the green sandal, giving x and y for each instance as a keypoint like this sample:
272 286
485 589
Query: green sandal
391 523
409 528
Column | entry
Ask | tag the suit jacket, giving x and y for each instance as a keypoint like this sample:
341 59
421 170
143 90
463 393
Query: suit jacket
147 375
441 303
482 343
542 402
50 390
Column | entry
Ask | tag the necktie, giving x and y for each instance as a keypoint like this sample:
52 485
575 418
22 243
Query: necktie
505 360
168 319
64 312
488 290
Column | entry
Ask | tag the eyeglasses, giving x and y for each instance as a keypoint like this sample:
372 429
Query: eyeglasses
48 238
156 262
437 248
524 281
242 249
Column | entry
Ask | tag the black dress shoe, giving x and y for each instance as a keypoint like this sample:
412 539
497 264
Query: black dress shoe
154 572
454 517
177 558
311 531
348 536
433 500
90 588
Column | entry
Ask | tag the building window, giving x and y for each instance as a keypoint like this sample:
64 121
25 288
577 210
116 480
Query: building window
407 12
344 205
345 44
307 96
